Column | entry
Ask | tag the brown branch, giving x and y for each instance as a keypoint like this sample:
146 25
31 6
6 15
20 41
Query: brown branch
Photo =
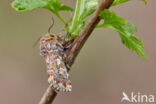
76 46
48 96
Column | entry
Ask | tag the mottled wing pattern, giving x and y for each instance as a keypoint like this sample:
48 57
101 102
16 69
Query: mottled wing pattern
53 52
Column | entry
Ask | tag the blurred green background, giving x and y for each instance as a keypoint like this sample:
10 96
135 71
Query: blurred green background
103 69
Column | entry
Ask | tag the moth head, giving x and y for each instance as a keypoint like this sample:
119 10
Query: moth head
48 37
45 40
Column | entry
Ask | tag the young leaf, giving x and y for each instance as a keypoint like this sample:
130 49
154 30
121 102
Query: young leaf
27 5
84 8
116 2
65 8
53 5
125 30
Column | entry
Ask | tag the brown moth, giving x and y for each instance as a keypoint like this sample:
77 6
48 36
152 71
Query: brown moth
53 50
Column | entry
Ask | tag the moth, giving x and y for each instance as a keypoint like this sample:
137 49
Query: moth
53 50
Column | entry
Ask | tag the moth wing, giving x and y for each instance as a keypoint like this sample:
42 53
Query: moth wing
58 75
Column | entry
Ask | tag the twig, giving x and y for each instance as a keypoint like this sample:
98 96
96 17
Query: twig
48 96
76 46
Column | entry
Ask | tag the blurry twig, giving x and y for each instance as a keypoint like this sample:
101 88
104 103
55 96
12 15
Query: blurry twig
76 46
48 96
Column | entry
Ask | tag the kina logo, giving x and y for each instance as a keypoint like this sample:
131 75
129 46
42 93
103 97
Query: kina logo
138 98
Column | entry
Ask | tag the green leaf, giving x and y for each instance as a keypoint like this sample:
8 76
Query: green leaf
116 2
53 5
84 8
125 30
65 8
27 5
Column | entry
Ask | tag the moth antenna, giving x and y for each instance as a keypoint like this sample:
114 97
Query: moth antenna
48 32
36 42
51 25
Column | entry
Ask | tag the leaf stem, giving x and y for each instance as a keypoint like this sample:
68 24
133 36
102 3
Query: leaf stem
76 16
61 18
